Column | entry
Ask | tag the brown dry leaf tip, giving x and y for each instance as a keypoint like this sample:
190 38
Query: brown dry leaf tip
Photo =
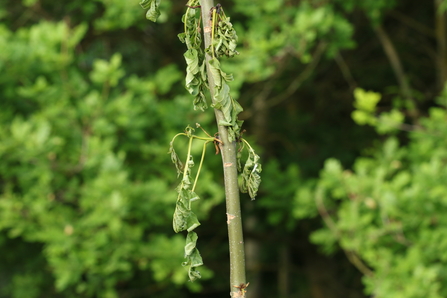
229 217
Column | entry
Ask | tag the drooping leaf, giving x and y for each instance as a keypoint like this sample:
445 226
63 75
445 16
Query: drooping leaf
192 255
251 175
224 102
215 72
175 159
184 218
193 261
196 258
225 37
195 81
195 84
191 240
153 13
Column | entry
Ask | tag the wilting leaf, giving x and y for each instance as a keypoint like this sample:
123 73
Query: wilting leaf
193 261
184 218
153 13
251 175
191 241
192 255
195 81
200 102
224 102
225 38
175 159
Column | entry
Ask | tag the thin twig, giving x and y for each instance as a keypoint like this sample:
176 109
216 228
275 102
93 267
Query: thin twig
350 254
300 79
346 72
441 61
398 70
412 23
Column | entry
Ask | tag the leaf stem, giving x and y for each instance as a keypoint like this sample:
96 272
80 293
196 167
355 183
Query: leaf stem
186 20
247 143
185 171
200 164
212 31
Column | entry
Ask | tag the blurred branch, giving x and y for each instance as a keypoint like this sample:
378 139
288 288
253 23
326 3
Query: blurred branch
325 214
398 70
394 59
441 59
304 75
350 254
346 72
357 262
412 23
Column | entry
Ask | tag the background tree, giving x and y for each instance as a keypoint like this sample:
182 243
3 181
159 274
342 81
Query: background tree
91 96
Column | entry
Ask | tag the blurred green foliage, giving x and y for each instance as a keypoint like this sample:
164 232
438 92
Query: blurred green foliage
84 167
91 94
388 211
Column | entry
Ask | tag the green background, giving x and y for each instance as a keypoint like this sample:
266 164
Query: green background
344 100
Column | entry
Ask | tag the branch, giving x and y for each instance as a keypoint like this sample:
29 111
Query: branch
346 72
301 78
441 59
396 65
412 23
350 254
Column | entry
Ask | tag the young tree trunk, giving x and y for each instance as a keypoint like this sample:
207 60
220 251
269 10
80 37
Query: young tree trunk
228 151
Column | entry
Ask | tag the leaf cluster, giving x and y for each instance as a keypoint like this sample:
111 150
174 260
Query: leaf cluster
184 218
153 9
223 35
387 213
223 42
365 113
83 189
195 81
223 101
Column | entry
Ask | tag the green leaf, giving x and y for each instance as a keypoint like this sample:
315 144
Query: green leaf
193 257
251 175
184 218
193 261
224 102
362 117
175 159
389 121
107 72
194 78
191 241
153 13
225 38
366 100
